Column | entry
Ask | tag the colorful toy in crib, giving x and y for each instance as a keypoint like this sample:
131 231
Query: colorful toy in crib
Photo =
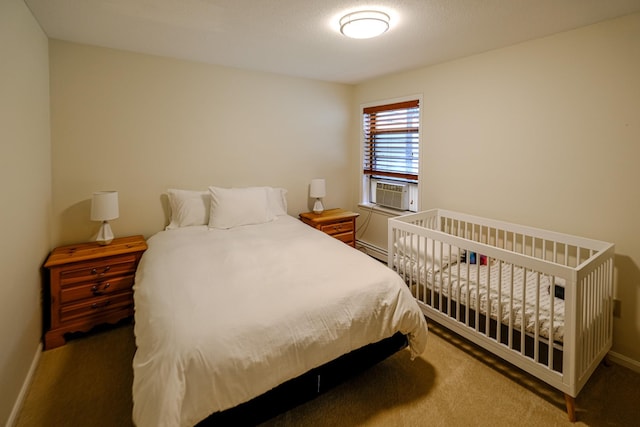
473 258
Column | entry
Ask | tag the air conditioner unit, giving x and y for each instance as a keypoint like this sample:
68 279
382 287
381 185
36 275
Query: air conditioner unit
392 195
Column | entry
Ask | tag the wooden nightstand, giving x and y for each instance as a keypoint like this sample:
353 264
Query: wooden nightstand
89 284
338 223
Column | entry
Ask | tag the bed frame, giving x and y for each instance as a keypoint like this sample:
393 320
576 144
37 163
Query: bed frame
308 385
575 269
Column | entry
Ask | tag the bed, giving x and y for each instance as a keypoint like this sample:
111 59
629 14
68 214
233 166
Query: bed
539 299
236 297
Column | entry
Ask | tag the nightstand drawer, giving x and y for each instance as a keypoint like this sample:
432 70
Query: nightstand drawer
96 288
337 228
99 269
96 306
345 237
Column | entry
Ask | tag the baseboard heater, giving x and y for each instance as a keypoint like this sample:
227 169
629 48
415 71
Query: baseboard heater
372 250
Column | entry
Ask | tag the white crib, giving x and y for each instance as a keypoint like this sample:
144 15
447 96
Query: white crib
538 299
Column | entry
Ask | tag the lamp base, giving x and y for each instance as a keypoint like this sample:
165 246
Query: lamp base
318 208
105 235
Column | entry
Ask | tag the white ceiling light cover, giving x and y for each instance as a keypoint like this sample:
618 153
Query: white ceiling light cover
364 24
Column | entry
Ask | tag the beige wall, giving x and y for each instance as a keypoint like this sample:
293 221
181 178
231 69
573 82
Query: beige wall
544 133
141 124
25 177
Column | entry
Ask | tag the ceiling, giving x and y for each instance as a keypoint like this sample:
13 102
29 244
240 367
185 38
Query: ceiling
301 37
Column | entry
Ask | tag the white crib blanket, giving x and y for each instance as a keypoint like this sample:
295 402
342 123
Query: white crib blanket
490 289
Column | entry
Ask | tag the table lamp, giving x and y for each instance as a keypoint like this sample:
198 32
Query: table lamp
104 207
317 190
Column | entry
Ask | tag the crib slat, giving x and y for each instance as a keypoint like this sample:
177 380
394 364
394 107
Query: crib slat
552 317
488 285
438 261
458 292
478 286
448 274
468 295
499 314
592 314
511 319
523 321
536 341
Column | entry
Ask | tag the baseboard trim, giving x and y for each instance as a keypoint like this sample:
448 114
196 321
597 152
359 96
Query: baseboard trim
625 361
17 406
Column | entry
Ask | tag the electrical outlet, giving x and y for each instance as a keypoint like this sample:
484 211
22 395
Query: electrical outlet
617 308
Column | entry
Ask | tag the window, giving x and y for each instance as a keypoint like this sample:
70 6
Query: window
391 157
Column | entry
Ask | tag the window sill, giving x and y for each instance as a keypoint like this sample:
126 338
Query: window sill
383 210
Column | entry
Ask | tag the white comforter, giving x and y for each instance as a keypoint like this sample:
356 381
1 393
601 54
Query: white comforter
223 316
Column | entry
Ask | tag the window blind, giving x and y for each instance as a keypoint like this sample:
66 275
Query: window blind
391 140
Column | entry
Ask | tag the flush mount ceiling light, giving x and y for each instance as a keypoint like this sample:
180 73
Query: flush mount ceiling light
364 24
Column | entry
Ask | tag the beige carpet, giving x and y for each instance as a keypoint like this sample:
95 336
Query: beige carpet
88 383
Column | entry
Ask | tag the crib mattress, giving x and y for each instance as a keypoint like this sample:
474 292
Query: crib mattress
504 292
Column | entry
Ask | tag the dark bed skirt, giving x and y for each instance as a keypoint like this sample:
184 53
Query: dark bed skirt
307 386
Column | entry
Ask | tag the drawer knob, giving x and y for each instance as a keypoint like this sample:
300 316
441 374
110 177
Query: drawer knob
96 288
96 305
105 270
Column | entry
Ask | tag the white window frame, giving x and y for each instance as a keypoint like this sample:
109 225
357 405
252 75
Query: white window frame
368 183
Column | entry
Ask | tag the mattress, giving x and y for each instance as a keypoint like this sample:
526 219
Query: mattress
222 316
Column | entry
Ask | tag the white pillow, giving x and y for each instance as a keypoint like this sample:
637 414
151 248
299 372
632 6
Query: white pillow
188 208
418 246
232 207
277 200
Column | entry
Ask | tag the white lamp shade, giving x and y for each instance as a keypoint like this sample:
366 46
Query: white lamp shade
317 188
104 206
